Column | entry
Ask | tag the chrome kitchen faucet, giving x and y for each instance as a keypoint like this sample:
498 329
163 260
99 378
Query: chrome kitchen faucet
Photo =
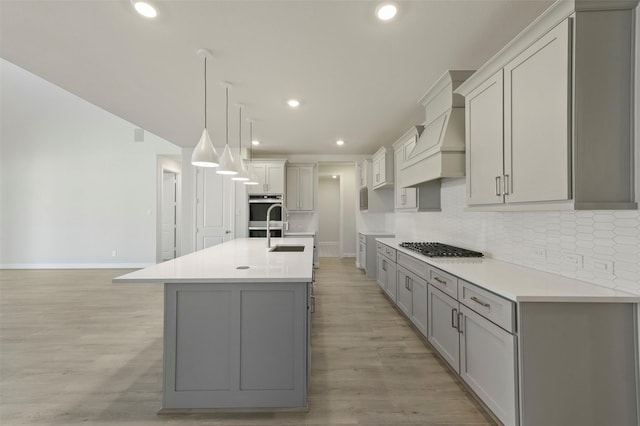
269 222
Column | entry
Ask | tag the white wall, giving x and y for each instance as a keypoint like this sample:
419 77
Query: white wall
74 184
328 210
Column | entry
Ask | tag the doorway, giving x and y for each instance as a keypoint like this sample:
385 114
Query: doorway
329 216
168 208
169 215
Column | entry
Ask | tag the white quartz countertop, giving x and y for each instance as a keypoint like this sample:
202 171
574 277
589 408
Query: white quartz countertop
220 264
299 233
519 283
382 233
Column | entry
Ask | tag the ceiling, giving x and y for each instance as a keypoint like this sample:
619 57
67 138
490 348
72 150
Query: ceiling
358 79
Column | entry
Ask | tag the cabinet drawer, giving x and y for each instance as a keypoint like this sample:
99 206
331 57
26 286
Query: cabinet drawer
381 248
414 265
491 306
386 251
443 281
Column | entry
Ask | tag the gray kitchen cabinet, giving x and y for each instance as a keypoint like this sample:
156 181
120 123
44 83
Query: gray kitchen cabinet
488 364
382 163
483 353
300 188
236 345
442 332
387 270
367 252
270 176
550 108
363 172
425 197
412 298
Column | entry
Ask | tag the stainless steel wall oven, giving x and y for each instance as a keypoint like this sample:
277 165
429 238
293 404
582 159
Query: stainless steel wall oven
258 206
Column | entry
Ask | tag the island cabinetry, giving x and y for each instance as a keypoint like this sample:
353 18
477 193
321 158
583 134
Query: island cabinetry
235 345
483 353
300 188
270 176
550 108
382 163
387 270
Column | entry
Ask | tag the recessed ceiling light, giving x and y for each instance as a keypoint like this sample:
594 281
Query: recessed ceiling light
293 103
145 9
340 142
334 176
386 11
255 142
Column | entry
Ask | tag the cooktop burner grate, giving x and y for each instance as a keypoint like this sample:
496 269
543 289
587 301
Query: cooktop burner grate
440 250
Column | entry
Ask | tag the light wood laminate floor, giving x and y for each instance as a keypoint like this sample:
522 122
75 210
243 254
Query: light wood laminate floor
77 349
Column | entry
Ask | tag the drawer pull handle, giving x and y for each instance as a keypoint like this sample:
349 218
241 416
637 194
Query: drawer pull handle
441 281
460 321
480 302
454 316
313 304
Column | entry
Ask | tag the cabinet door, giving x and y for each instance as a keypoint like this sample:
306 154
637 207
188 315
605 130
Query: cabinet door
362 256
275 178
381 277
488 364
392 280
404 291
305 188
419 312
260 172
376 172
293 188
484 139
441 331
536 120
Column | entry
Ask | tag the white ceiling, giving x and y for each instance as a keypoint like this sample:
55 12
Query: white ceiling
357 78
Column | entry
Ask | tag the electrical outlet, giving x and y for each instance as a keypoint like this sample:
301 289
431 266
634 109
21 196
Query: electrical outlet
540 254
601 266
572 259
114 253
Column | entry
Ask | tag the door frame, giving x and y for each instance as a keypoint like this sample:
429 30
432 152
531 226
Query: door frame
171 164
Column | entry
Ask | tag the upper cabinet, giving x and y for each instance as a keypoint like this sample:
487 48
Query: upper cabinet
382 164
549 118
363 171
300 187
423 197
270 175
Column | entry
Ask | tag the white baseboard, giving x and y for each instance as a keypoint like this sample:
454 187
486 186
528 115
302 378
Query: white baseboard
74 265
348 255
329 243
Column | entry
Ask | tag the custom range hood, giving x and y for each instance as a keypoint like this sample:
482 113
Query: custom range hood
438 151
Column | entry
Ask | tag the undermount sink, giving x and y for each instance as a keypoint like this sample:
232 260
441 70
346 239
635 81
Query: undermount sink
282 248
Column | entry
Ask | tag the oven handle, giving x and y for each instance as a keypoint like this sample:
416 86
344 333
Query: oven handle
265 201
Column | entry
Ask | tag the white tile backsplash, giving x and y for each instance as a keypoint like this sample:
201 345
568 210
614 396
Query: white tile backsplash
600 247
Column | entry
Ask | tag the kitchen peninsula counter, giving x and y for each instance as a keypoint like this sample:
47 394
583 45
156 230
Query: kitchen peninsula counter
236 326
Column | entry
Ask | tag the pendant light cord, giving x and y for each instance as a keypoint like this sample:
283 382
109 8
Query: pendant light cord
240 132
250 140
227 116
205 92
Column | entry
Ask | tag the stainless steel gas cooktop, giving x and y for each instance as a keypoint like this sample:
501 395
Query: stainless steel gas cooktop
440 250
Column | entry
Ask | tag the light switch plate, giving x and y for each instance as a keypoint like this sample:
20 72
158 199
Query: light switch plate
601 266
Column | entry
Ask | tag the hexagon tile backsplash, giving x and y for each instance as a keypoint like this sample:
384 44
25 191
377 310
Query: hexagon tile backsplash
597 246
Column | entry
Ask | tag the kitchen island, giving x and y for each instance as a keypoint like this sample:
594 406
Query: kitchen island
236 325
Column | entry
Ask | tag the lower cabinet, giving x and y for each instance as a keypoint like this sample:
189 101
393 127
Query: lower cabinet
412 298
481 352
387 276
488 364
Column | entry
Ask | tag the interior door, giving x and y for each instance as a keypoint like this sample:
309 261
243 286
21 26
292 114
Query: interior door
168 215
214 208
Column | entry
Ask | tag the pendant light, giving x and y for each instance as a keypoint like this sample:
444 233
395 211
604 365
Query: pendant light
242 175
228 165
253 179
204 154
